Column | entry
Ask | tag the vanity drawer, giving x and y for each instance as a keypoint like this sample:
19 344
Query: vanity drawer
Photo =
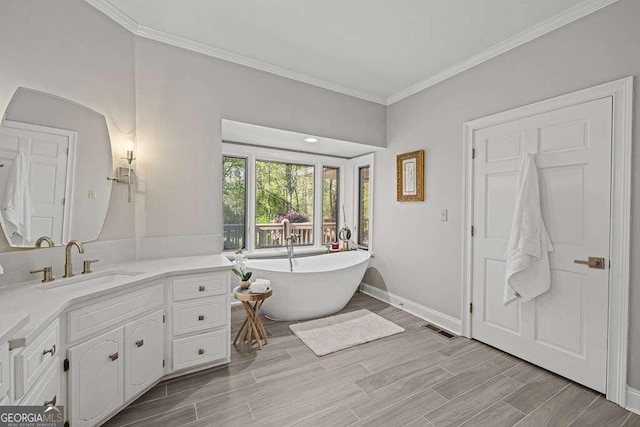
47 389
35 358
200 349
94 317
193 316
4 372
200 285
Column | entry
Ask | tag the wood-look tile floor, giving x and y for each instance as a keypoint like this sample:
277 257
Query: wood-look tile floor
417 378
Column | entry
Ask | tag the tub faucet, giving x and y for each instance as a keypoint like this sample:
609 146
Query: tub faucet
290 241
68 267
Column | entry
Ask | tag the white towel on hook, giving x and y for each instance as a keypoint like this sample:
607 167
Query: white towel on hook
17 205
528 273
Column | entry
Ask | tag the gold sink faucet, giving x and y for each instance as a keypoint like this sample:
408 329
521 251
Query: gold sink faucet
68 267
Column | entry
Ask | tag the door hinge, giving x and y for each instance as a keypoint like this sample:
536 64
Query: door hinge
473 231
471 307
66 365
63 201
163 363
473 153
164 318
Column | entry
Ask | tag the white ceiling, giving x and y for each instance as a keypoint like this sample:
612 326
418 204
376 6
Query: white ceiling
381 50
262 136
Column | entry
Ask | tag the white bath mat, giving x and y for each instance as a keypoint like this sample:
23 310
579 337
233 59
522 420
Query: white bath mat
330 334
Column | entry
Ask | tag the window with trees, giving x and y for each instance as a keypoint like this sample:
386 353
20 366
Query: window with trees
234 202
263 186
330 202
283 191
363 206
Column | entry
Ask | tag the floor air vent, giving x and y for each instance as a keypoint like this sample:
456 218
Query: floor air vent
439 331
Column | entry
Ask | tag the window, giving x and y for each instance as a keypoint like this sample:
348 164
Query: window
330 201
363 206
262 186
283 190
234 202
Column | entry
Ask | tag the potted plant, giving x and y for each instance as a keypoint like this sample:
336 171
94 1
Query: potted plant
239 270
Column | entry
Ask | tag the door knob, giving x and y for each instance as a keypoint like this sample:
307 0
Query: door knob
114 357
139 343
592 262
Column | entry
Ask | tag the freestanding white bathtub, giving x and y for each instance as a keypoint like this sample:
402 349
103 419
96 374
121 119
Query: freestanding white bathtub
318 286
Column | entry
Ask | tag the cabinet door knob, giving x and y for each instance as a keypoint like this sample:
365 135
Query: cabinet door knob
51 402
114 356
201 288
52 350
139 343
201 317
201 351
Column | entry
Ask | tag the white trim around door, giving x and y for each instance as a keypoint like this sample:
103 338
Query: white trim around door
619 272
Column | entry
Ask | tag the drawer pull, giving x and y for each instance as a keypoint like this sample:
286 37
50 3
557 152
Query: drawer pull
114 356
201 317
139 343
51 402
201 351
201 288
52 350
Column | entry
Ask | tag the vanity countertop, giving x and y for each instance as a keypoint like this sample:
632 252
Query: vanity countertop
42 303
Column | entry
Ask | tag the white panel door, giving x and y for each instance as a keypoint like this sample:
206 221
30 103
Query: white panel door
144 341
96 378
565 329
48 159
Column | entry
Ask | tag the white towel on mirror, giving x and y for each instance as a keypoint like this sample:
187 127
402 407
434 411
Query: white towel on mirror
528 273
17 205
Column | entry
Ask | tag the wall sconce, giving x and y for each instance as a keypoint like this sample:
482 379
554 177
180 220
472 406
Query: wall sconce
124 175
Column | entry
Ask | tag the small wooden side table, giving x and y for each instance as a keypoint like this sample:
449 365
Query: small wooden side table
252 327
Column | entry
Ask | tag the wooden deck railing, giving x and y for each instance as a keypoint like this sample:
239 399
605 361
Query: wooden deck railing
271 235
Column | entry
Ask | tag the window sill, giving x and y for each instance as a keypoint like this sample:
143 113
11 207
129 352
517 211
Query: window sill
279 252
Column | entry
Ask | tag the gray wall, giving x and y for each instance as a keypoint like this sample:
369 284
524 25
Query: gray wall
419 257
182 97
69 49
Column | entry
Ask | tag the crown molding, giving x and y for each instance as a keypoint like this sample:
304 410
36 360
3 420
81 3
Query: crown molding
579 11
226 55
114 13
164 37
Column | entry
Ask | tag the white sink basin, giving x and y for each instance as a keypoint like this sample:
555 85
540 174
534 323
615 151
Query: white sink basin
98 278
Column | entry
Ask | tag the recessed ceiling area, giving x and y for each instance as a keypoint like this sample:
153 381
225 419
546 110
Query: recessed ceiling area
248 134
379 50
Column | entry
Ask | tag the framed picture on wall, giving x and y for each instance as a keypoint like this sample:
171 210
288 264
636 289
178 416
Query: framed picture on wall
410 176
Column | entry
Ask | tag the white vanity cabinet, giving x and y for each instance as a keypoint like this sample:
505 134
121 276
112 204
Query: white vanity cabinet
200 320
5 373
144 353
30 362
47 390
96 369
99 353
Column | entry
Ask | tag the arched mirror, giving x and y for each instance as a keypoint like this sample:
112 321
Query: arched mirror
55 156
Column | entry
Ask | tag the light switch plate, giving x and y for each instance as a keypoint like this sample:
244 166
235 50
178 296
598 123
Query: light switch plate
444 214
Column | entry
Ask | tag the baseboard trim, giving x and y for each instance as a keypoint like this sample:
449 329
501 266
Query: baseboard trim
442 320
633 400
